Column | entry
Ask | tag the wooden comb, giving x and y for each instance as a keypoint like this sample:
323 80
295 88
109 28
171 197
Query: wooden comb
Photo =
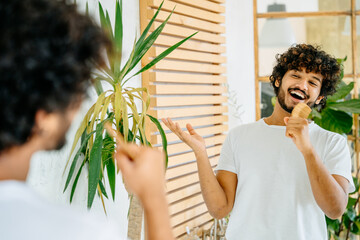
301 110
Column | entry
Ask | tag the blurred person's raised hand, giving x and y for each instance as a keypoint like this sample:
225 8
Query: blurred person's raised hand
143 171
192 139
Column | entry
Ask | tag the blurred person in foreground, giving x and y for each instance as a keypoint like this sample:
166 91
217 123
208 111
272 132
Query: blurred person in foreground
278 177
47 52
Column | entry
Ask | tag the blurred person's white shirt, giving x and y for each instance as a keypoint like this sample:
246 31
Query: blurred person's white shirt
26 215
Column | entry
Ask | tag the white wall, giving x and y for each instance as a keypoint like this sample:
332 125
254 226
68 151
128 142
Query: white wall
240 58
291 5
266 54
46 172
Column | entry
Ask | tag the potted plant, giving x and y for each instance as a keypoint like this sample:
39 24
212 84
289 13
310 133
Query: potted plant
116 106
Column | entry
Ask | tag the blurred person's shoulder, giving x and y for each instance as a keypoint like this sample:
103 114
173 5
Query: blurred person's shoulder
26 215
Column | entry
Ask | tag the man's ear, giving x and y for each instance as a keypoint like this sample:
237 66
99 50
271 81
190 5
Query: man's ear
277 83
45 122
318 100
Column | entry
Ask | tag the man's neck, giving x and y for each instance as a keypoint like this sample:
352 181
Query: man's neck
15 162
278 115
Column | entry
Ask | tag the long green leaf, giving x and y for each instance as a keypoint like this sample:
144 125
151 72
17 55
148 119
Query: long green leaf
143 138
108 160
111 172
111 54
95 164
145 32
102 188
104 22
133 108
99 77
106 70
352 106
131 137
98 87
163 137
76 181
106 25
118 37
117 103
76 157
108 148
79 132
125 119
342 91
102 17
162 55
105 107
128 62
98 108
145 46
138 44
87 9
135 114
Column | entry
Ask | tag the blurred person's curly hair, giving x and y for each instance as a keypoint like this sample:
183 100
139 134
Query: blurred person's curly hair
47 52
312 59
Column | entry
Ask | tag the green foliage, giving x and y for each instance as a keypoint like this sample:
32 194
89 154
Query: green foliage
163 137
95 164
335 121
116 106
350 220
337 114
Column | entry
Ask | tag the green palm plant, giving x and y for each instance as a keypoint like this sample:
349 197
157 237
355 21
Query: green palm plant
116 106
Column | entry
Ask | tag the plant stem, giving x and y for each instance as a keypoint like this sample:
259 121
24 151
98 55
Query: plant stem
348 231
351 222
341 226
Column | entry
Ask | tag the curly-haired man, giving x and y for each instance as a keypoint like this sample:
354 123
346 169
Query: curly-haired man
47 52
281 175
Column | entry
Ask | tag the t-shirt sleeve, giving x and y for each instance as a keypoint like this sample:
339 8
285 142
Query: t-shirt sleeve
338 160
226 160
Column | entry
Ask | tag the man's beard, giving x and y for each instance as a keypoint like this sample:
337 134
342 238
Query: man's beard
61 143
281 100
61 136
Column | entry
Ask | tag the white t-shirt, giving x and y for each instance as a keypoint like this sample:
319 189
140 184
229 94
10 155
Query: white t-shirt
25 215
273 196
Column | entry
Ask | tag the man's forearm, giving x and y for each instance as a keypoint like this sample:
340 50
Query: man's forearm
214 195
328 193
157 217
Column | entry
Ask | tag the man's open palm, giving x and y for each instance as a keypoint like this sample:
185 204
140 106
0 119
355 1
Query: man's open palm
192 139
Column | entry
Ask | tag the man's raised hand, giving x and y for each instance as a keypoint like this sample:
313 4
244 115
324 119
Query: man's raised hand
192 139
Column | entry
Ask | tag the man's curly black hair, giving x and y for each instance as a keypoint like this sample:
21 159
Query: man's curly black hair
313 59
47 52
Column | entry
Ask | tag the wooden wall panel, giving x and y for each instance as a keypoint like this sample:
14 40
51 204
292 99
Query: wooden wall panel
188 86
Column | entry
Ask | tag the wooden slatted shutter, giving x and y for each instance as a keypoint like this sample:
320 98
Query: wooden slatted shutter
188 86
